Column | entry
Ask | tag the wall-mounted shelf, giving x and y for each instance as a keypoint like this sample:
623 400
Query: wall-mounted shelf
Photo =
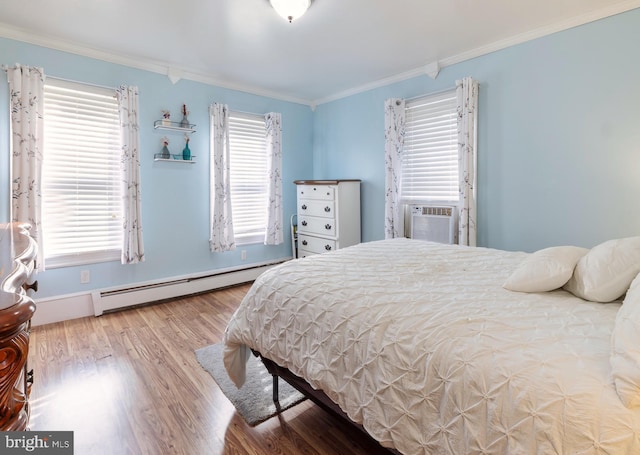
173 126
174 158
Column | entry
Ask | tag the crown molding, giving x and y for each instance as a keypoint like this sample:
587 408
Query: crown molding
567 24
173 73
431 69
435 67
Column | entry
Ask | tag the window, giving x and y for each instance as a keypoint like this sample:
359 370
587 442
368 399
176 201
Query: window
248 163
81 185
430 157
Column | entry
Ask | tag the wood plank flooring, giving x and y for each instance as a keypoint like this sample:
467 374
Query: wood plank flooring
129 383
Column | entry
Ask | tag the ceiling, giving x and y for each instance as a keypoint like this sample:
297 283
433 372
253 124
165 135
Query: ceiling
339 47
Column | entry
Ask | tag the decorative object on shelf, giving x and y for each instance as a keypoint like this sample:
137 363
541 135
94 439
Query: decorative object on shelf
290 9
184 123
186 152
165 154
166 118
173 126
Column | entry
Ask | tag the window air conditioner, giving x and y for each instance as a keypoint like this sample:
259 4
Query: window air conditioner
436 224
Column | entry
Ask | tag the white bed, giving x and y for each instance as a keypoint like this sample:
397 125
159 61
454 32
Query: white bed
420 344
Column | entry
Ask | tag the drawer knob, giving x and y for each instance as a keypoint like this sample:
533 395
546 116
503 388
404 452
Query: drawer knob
304 207
304 242
327 226
304 223
327 247
33 286
327 209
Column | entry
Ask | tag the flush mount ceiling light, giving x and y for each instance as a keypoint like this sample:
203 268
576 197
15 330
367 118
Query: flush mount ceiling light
290 9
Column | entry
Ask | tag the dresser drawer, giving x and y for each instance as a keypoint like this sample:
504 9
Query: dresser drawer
317 225
312 207
315 244
322 192
304 253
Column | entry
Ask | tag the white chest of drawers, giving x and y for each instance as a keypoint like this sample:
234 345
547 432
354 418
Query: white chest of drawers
328 215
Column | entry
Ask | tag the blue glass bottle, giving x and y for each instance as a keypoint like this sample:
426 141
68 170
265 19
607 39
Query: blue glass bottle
186 152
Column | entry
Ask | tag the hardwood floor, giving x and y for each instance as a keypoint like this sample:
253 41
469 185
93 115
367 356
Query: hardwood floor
129 383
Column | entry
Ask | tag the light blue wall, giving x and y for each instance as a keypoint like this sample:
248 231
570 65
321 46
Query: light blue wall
559 149
558 138
175 212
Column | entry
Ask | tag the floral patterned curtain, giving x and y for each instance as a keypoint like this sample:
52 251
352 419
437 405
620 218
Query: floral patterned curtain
132 244
467 95
394 129
275 229
26 92
221 224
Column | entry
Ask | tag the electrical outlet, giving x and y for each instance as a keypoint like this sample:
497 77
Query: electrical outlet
85 276
243 255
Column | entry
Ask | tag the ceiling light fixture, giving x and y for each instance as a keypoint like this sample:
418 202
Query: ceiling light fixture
290 9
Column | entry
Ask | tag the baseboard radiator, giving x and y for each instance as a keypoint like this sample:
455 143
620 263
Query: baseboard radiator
120 298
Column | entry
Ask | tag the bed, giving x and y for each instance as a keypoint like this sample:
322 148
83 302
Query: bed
422 345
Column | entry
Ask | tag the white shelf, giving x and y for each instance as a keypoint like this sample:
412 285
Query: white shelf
174 158
173 126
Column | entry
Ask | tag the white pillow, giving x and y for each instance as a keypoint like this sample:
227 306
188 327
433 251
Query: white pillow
605 273
625 348
545 270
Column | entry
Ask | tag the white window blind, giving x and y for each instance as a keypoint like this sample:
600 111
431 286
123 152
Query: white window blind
430 155
248 163
81 194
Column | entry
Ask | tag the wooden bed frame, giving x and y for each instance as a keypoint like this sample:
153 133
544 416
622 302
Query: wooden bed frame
317 396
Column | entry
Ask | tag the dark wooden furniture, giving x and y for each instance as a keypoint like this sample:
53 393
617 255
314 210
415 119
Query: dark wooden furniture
17 256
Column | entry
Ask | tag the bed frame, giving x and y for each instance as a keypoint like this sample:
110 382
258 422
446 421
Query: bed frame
317 396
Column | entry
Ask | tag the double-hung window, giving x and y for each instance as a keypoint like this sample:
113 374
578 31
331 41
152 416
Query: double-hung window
249 180
430 155
81 191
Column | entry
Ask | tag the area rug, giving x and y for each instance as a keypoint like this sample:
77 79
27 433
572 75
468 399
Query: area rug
254 400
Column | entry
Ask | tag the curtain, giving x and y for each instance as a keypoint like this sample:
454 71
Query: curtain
132 244
275 229
394 129
221 221
26 93
467 96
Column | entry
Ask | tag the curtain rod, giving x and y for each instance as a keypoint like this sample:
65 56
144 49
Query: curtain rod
79 82
6 68
439 92
255 114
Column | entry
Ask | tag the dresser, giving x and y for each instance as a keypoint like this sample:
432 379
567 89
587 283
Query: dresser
328 215
17 258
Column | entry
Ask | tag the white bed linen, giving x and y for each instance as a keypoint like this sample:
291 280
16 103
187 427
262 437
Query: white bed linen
420 344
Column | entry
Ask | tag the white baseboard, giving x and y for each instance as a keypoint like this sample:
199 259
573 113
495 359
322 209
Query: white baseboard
62 308
73 306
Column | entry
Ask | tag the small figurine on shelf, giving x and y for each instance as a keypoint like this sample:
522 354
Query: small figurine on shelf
184 123
186 152
166 118
165 154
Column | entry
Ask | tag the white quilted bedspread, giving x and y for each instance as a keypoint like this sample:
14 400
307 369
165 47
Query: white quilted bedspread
420 344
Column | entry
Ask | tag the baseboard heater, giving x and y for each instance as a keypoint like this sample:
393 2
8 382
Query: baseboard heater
117 299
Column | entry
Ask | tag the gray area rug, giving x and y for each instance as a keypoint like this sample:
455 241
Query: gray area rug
254 400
